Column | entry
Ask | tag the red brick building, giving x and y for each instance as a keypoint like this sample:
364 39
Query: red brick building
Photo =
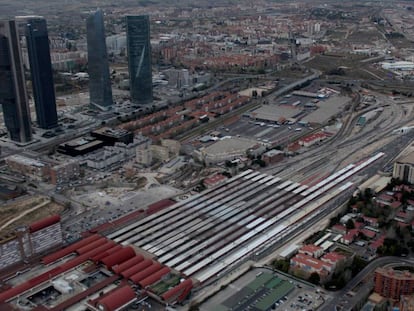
273 156
391 283
311 250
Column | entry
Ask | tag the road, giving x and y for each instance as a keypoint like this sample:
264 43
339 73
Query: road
339 297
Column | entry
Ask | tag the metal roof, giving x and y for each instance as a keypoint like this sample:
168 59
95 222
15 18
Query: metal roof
105 253
118 257
154 277
90 246
46 222
178 291
69 249
137 268
116 299
137 277
128 264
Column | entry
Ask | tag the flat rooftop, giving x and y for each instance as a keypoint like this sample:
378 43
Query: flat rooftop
407 159
116 133
274 112
326 109
230 146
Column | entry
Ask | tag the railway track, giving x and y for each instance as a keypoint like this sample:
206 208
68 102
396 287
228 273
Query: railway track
216 122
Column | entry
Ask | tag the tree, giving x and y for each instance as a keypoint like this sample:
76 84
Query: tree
333 221
368 194
314 278
350 224
282 265
357 265
352 201
391 247
394 182
229 163
260 162
338 281
398 232
194 307
68 205
227 174
405 196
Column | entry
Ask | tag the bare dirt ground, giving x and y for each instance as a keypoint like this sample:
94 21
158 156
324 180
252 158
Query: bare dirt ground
11 210
350 64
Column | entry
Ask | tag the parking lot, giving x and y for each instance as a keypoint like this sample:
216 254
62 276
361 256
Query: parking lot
306 300
264 132
262 289
103 205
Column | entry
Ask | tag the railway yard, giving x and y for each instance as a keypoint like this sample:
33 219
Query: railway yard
206 234
210 238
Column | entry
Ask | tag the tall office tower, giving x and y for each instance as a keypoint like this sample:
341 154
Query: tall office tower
13 95
100 90
41 71
139 59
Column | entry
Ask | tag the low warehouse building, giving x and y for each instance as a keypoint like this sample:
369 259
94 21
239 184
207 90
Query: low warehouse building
225 149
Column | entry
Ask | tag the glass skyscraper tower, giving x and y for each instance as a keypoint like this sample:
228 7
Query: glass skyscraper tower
13 95
41 71
139 59
100 91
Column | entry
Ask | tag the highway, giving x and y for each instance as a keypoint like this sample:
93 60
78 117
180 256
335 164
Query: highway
315 74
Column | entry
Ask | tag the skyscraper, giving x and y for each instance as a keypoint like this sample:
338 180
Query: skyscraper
13 95
139 59
100 91
41 71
